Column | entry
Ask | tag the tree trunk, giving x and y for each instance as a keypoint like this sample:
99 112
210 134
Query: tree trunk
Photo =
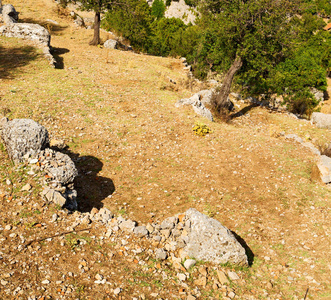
222 97
96 36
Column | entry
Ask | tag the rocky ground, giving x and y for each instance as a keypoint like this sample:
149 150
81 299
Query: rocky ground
138 157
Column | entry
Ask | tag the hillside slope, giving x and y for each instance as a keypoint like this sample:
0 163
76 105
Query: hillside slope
115 111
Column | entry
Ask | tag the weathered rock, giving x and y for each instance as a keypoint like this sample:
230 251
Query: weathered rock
321 120
222 277
197 105
54 196
179 9
169 223
161 254
140 231
23 137
64 171
206 96
294 137
210 241
322 170
9 14
111 44
189 263
33 32
319 95
128 225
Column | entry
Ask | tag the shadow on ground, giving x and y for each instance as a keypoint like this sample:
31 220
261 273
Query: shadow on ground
91 188
56 52
13 58
249 252
243 111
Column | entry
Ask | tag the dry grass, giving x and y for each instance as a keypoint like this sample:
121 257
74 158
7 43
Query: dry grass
117 110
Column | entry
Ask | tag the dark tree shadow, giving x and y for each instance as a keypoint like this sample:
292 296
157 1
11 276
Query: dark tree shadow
52 28
91 188
249 252
243 111
12 58
56 52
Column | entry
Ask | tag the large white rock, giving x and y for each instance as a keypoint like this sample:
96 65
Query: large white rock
322 170
23 136
9 14
33 32
110 44
209 240
197 105
321 120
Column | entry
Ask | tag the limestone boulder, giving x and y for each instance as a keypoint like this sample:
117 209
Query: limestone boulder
321 120
62 169
23 137
111 44
33 32
321 171
210 241
9 14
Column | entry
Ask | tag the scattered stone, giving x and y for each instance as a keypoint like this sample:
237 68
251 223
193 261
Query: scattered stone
46 281
26 187
54 196
222 277
161 254
117 291
33 161
189 263
98 277
128 225
140 231
233 275
181 276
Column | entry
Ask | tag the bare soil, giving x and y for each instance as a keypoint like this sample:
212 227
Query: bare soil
138 156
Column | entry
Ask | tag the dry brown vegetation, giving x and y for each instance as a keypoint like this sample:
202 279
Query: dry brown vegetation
115 111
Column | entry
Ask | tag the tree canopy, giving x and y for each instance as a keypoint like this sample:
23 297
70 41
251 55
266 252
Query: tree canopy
268 47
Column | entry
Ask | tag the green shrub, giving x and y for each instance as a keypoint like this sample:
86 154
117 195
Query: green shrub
158 9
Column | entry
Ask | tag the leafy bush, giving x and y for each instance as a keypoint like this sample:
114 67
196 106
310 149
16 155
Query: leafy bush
132 19
158 9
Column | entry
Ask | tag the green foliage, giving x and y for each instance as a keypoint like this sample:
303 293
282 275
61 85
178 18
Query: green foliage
201 129
167 35
168 2
132 19
158 9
